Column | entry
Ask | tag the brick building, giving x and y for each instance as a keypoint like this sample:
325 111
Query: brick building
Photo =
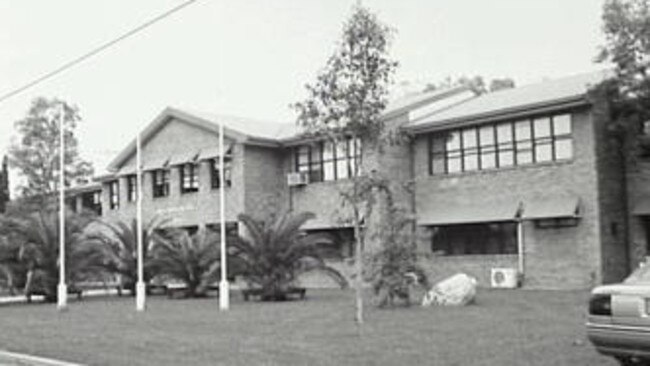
526 178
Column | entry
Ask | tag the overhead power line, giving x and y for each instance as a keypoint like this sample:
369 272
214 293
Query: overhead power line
94 51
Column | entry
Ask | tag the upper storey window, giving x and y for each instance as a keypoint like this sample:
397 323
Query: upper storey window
327 160
501 145
189 177
114 195
160 182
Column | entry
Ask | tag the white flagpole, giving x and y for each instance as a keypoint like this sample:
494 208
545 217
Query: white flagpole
62 289
224 290
140 288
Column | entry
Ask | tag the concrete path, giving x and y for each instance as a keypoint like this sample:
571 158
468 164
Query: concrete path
19 359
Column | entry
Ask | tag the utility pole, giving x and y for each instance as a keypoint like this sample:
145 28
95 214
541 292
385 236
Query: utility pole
62 288
224 288
140 287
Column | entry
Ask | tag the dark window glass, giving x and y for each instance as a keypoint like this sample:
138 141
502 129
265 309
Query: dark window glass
189 178
488 150
484 238
215 176
114 195
524 143
160 183
325 161
500 145
132 188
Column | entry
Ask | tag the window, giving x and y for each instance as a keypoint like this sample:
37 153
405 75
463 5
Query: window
500 145
336 244
326 161
92 201
132 188
189 178
214 175
114 195
484 238
160 183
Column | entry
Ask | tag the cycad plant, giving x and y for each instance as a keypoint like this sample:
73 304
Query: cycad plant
37 235
119 244
191 260
274 254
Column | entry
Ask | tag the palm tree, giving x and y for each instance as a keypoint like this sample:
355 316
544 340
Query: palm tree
37 236
10 268
275 253
119 244
192 260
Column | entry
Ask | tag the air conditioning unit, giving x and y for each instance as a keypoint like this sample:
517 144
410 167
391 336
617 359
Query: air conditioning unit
503 278
297 179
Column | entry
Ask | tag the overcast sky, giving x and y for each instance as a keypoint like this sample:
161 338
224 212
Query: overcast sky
252 57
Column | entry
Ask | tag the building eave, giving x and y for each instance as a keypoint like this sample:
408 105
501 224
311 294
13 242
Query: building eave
502 114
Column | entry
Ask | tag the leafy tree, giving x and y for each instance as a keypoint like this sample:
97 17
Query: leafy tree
476 84
37 236
10 268
36 151
192 260
626 24
347 99
394 270
119 243
275 253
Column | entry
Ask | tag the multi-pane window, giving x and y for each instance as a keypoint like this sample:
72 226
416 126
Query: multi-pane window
114 195
189 177
92 201
160 182
327 160
132 187
214 175
485 238
500 145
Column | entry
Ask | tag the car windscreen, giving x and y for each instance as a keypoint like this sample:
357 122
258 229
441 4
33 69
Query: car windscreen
641 274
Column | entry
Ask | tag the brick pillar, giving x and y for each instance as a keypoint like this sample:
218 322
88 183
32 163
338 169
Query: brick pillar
175 181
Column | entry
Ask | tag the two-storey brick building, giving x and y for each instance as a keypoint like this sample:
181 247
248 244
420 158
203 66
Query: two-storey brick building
526 178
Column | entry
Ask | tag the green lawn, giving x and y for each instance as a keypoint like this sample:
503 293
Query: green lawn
503 328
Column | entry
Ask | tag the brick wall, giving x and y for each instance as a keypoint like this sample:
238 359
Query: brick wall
198 208
555 257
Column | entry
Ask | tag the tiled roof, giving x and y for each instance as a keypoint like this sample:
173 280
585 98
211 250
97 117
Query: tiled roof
247 126
527 96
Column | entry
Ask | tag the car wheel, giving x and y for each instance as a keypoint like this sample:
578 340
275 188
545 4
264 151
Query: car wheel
630 361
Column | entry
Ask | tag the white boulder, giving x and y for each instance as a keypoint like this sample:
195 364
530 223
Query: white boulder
457 290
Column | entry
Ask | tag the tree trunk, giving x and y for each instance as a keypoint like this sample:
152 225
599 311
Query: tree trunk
358 261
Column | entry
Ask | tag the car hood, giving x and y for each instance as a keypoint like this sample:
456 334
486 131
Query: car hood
623 289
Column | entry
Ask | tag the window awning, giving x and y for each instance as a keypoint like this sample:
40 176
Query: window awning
157 163
551 207
213 152
469 213
642 207
183 157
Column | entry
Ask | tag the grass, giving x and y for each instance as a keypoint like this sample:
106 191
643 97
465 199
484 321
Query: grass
502 328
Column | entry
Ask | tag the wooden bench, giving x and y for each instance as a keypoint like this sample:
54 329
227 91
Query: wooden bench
173 289
257 292
71 291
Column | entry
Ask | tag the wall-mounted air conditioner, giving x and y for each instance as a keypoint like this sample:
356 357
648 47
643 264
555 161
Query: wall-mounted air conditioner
503 278
297 179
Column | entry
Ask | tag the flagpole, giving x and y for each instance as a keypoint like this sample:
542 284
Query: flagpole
62 289
140 288
224 290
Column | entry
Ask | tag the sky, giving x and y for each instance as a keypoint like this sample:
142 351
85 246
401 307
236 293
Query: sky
252 58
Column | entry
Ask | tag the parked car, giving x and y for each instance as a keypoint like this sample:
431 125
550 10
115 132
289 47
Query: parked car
618 322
